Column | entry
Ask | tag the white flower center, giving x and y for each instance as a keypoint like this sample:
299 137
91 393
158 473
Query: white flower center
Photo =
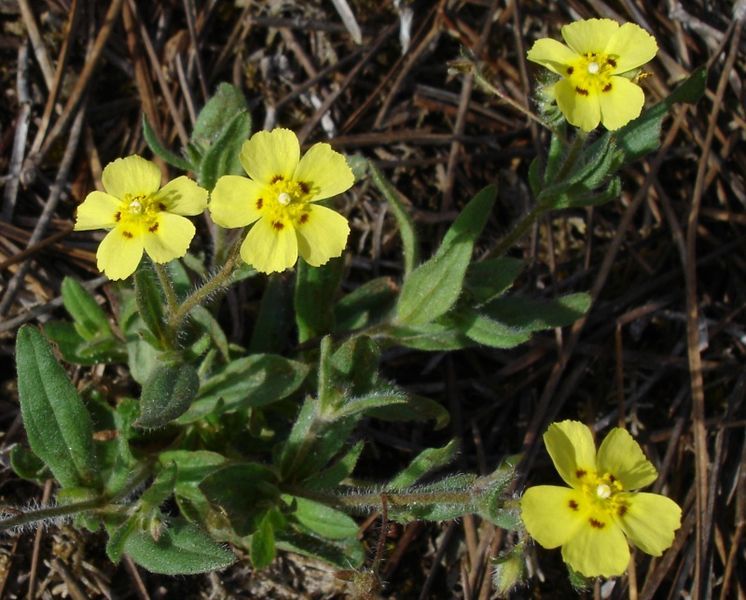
603 491
284 198
135 207
593 68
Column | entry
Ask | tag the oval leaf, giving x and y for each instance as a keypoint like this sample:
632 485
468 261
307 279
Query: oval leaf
57 423
167 394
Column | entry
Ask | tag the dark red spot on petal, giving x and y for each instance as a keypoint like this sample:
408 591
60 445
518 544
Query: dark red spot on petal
303 218
581 91
607 88
580 473
622 510
612 479
304 187
127 234
117 216
277 178
278 225
161 206
612 62
573 505
596 524
153 228
259 203
570 70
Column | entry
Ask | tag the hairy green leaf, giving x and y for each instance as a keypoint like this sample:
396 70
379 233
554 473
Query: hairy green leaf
315 291
167 394
57 423
182 549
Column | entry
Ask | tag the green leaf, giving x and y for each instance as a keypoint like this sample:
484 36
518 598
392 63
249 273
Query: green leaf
272 325
27 465
433 288
491 278
262 545
182 549
192 466
118 536
312 442
89 318
150 302
403 218
167 394
251 381
209 324
417 408
450 498
315 291
221 158
322 520
142 357
244 492
365 305
351 369
155 145
340 470
431 337
74 349
221 108
530 314
425 462
362 405
487 331
345 555
57 423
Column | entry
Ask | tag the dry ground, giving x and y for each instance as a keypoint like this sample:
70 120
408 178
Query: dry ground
662 350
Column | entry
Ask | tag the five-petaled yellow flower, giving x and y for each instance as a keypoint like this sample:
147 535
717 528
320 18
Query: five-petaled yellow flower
595 71
279 198
591 518
141 215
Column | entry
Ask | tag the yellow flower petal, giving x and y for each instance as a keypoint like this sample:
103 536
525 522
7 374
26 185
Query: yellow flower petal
570 444
236 201
633 45
621 456
553 515
650 522
552 54
581 110
97 211
268 154
119 253
182 196
325 171
597 550
131 175
322 234
590 35
622 103
168 238
270 246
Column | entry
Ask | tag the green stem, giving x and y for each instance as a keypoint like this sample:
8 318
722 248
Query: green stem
368 500
517 233
200 295
74 508
167 286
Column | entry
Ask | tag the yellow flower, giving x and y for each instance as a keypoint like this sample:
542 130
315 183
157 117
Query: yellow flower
279 196
594 86
591 518
140 214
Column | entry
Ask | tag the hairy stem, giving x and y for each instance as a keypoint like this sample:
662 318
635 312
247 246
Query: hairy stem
74 508
517 233
200 295
167 286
